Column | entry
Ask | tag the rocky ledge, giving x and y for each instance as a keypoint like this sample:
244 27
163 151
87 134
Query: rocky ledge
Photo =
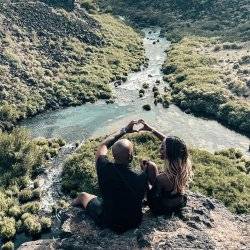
203 224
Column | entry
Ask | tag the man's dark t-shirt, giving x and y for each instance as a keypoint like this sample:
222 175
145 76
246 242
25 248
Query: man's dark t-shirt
122 191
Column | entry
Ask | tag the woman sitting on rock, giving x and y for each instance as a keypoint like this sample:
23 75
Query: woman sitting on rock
167 192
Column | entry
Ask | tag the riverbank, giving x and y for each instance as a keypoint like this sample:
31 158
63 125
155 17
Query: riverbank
211 79
93 120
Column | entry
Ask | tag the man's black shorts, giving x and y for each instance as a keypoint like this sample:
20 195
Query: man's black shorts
95 210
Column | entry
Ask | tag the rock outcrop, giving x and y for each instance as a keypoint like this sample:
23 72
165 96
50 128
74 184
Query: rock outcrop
203 224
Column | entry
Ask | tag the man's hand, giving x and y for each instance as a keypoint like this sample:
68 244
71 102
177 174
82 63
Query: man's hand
130 127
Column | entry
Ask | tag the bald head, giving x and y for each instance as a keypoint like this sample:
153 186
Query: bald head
122 151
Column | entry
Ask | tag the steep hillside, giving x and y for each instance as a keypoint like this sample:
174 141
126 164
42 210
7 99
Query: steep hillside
227 19
52 58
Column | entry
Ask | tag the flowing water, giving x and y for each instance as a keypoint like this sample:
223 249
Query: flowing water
78 123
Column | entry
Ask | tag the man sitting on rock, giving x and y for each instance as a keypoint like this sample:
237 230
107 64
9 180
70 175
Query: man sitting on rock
122 190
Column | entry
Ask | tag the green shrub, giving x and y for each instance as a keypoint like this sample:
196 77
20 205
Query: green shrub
45 223
14 211
31 207
7 228
25 216
19 156
79 167
8 246
25 195
32 226
19 226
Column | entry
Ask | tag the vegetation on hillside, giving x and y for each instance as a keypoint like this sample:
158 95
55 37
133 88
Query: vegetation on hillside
227 19
223 175
200 81
206 84
67 58
21 160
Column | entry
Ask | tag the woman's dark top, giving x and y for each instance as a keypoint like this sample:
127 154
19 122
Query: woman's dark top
161 201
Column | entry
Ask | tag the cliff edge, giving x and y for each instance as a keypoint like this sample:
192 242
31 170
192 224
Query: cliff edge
203 224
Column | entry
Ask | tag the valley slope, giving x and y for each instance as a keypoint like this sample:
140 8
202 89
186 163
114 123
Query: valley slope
53 58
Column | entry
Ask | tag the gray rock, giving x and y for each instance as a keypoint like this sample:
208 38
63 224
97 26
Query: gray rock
40 245
203 224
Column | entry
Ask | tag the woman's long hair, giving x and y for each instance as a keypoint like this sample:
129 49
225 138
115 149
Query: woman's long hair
178 164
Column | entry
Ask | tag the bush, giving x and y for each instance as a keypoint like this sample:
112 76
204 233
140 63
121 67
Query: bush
45 223
32 226
25 195
7 228
78 172
19 156
31 207
8 246
14 211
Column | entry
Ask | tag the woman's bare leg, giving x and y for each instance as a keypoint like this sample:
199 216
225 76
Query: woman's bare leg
83 199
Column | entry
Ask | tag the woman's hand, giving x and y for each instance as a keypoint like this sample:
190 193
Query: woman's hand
130 127
145 127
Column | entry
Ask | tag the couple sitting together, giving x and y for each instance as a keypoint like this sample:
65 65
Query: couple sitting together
123 190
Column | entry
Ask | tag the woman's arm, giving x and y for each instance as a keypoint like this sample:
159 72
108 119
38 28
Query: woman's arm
150 168
147 127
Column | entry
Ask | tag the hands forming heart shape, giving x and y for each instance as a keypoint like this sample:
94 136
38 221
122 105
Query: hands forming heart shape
137 126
